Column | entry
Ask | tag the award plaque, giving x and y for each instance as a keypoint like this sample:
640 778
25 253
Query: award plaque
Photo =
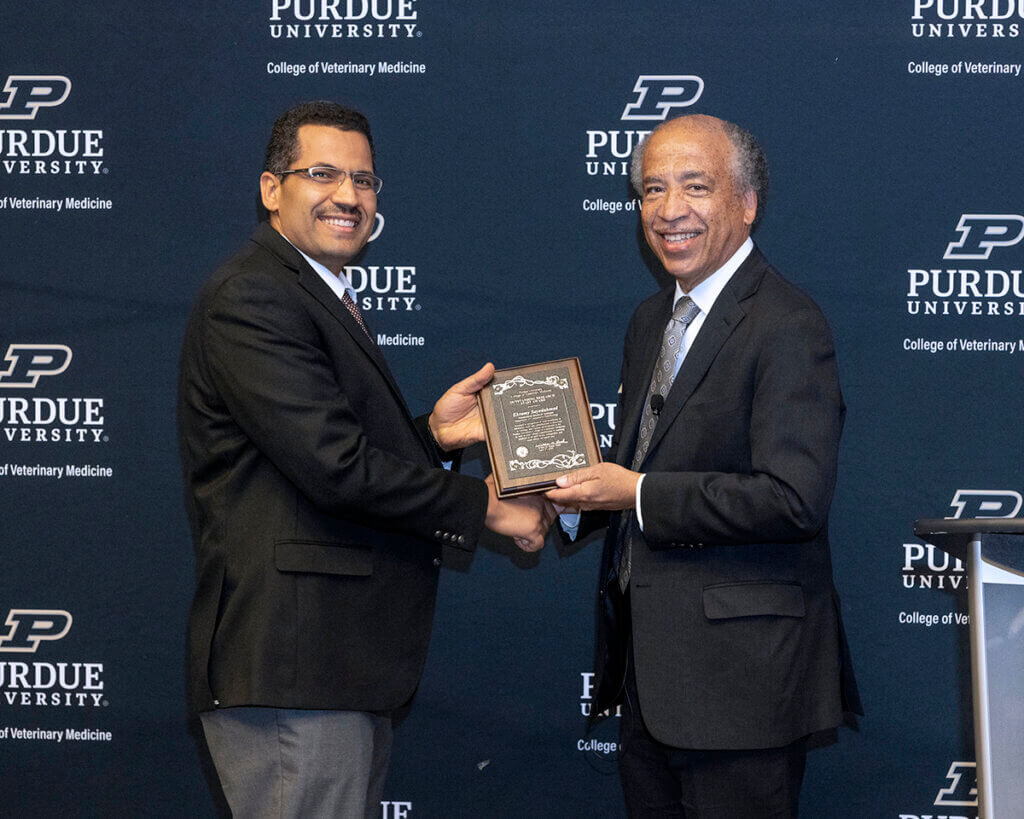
538 425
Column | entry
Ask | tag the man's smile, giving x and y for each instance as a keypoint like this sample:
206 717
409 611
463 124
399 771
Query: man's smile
344 221
678 239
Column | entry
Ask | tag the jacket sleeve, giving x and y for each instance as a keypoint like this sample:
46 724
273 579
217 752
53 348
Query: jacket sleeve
795 420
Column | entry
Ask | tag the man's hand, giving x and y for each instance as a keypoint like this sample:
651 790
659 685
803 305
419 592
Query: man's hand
455 421
525 519
604 486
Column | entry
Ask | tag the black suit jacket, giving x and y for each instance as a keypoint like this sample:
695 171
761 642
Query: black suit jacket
735 621
316 503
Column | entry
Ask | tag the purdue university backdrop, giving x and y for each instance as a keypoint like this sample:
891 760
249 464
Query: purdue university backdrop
131 141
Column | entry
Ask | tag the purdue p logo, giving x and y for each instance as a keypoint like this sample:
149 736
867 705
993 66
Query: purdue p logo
29 627
27 362
658 94
986 503
962 790
980 232
27 93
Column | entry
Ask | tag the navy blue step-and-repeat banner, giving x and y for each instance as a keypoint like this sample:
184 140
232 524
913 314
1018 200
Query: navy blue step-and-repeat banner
131 141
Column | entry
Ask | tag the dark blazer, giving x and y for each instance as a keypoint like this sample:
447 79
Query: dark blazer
735 621
317 505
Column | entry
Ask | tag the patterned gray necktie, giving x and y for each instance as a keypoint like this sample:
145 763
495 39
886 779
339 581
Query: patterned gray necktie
683 313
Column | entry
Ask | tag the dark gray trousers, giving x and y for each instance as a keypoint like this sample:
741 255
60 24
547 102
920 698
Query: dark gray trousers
281 763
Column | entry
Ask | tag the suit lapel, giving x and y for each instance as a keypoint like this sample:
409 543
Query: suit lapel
310 281
642 372
725 316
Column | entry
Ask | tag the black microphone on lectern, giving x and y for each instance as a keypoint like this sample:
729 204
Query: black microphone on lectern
657 402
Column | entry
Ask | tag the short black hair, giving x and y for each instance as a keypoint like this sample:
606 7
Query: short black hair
283 146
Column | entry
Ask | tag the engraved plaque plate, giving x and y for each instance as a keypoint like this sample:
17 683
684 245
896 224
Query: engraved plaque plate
538 425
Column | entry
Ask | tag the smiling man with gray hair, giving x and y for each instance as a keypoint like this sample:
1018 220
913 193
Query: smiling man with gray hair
719 628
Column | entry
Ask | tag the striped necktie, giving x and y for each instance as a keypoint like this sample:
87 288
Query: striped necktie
351 306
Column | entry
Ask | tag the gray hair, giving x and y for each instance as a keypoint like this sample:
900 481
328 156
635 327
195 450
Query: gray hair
749 167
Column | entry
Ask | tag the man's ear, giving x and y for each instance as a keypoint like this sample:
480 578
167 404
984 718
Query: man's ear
749 207
270 189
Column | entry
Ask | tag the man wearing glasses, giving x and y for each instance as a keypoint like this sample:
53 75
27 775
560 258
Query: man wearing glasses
318 505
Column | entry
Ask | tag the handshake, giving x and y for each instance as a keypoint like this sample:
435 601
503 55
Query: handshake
455 423
526 519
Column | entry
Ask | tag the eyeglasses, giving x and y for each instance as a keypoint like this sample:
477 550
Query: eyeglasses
362 181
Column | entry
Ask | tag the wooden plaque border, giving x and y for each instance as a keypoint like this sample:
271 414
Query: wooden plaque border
505 484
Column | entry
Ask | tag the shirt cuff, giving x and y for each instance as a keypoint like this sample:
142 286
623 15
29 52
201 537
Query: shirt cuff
570 523
636 503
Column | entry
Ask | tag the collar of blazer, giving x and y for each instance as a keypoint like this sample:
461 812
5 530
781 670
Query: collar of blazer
308 279
725 316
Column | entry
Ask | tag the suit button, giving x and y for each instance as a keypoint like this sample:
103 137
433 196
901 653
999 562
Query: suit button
438 534
461 539
437 562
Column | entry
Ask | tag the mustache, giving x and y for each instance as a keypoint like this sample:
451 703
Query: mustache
338 210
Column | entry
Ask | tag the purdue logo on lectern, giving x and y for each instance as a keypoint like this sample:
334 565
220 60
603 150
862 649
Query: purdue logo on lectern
27 628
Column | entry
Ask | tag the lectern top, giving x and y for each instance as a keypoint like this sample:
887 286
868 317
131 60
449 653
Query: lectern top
927 527
954 535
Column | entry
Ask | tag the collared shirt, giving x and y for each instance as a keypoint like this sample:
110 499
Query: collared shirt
706 293
339 282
